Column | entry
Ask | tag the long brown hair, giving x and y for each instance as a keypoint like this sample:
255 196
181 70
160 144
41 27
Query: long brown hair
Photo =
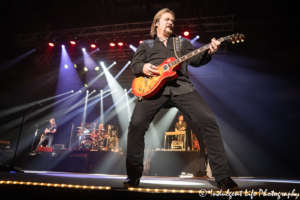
157 18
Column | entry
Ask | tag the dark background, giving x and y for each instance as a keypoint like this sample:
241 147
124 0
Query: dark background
256 99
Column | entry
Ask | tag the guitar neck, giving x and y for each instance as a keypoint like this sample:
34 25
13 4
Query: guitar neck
194 53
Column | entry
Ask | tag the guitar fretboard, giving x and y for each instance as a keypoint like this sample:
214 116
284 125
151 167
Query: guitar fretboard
192 54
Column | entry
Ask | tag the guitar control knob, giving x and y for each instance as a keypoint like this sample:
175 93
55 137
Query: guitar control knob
146 85
140 89
150 87
144 91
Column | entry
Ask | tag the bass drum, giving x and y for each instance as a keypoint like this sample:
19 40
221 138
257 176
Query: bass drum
87 143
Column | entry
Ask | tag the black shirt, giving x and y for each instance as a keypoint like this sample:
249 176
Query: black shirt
155 52
179 126
51 129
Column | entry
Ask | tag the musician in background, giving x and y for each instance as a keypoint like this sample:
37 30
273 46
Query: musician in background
113 137
49 133
180 126
101 130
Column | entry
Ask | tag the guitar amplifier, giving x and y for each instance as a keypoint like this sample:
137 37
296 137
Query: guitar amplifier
45 149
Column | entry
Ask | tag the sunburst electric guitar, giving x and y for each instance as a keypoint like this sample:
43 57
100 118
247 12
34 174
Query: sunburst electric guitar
144 87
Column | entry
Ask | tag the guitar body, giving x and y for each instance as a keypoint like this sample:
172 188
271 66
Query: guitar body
145 87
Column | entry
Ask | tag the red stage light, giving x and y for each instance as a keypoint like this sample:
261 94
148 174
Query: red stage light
51 44
112 44
186 33
93 45
141 41
72 42
120 44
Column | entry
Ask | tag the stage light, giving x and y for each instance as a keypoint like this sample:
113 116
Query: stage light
72 91
120 44
94 90
186 33
75 65
66 66
63 46
101 90
93 45
129 61
179 36
83 49
141 41
112 44
108 90
85 69
115 62
85 85
51 44
97 49
198 36
73 42
133 48
87 91
97 68
79 90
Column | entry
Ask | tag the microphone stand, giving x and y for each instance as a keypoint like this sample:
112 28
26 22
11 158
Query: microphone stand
11 168
36 130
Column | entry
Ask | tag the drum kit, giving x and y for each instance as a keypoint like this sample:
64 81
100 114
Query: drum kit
93 139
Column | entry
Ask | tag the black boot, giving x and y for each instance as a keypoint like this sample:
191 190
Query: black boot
131 182
227 183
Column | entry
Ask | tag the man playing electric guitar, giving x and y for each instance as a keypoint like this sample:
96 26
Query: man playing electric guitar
49 133
178 92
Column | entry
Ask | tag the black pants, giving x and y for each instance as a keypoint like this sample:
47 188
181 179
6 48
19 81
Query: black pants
193 106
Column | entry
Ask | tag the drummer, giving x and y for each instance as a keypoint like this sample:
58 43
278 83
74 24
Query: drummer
101 129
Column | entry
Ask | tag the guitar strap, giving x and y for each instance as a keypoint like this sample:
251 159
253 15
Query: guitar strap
177 46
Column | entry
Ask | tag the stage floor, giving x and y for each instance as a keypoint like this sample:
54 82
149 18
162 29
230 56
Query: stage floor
148 184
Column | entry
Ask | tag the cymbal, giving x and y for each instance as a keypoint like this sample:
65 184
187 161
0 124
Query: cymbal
81 127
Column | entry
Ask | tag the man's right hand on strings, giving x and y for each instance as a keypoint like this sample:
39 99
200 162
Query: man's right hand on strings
150 70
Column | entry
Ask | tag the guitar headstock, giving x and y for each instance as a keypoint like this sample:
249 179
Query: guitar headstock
236 38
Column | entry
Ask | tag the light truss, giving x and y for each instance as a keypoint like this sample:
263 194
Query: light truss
217 24
128 30
100 32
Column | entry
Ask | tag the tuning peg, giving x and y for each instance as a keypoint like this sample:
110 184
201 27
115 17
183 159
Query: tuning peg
237 41
242 40
233 42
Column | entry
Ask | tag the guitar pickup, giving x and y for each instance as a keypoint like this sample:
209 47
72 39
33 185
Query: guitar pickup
165 67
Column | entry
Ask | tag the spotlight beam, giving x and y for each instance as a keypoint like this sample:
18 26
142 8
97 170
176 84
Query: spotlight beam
8 64
25 106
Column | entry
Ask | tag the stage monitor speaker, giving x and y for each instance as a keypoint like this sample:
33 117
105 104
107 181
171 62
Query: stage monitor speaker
58 146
